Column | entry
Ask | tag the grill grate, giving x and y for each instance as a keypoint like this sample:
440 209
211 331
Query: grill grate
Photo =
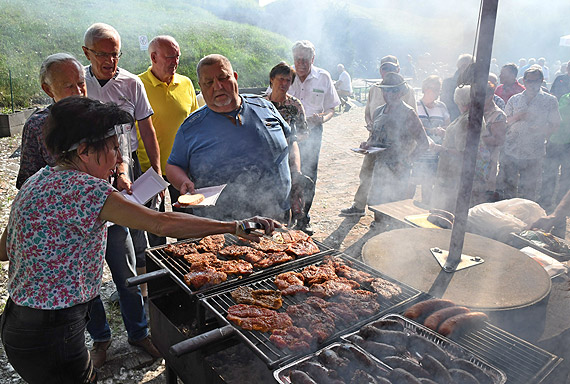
178 267
259 341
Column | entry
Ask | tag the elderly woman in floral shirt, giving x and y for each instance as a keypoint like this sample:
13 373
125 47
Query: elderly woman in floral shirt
56 238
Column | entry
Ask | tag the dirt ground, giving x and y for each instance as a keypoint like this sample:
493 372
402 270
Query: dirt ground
337 183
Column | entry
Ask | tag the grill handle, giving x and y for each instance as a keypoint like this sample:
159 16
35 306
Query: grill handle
145 277
197 342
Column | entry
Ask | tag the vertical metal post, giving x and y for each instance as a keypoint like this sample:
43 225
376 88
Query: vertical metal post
11 92
478 89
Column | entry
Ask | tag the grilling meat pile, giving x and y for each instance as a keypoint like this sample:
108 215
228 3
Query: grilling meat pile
415 358
332 296
207 268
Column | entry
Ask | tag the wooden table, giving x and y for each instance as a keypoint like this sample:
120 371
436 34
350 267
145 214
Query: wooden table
395 213
508 280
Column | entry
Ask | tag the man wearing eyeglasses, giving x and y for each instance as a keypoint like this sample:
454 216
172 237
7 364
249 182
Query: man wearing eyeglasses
107 82
532 116
315 88
376 97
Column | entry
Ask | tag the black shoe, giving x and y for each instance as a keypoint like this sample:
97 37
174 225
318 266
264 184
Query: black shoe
352 211
99 353
305 227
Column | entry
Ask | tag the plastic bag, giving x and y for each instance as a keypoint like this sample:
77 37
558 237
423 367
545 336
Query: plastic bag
550 264
498 220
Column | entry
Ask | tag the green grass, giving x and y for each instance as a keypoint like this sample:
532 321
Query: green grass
33 29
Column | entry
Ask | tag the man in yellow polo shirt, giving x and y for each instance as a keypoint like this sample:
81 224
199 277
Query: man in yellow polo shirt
172 98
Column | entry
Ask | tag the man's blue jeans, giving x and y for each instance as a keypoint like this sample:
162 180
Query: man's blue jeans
120 257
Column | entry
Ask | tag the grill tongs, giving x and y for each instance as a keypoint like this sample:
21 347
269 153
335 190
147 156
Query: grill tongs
257 228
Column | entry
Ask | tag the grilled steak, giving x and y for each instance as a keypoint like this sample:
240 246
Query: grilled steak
179 250
385 288
273 259
303 248
286 279
232 267
251 317
212 243
319 322
243 252
200 257
342 313
262 297
267 245
333 287
316 275
295 338
362 302
203 275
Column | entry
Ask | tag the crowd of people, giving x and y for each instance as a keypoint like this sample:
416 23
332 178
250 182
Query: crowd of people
107 126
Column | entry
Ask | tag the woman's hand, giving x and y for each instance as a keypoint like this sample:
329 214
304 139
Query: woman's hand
268 226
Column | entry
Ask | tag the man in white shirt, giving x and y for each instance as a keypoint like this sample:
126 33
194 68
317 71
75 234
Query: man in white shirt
343 87
106 82
314 87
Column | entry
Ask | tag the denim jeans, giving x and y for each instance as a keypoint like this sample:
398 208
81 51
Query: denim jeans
120 257
47 346
310 149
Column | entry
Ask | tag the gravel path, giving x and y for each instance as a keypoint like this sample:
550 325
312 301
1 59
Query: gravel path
337 183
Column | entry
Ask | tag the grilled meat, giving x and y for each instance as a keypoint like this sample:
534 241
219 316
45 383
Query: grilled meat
318 274
262 297
203 275
251 317
273 259
333 287
212 243
232 267
386 289
303 248
200 257
342 313
243 252
295 338
267 245
319 322
291 283
179 250
362 302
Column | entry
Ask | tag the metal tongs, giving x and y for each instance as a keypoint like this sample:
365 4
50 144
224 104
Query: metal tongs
253 227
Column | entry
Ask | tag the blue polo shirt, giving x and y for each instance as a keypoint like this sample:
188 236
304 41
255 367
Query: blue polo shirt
250 155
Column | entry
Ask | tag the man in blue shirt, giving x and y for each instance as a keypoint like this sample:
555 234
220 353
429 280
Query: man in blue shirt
241 141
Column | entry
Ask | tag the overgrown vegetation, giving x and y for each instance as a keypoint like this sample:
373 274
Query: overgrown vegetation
33 29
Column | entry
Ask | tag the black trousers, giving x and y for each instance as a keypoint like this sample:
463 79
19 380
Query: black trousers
47 346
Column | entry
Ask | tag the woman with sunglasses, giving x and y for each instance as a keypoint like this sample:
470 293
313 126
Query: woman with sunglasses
56 238
398 130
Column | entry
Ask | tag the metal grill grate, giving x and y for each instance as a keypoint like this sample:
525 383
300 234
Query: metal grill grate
259 341
178 267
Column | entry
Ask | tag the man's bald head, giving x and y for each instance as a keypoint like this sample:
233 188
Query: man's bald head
165 55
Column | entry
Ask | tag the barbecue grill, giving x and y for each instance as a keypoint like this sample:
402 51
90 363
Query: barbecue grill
183 322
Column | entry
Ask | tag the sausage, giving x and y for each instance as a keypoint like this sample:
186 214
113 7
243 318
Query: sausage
318 372
420 346
462 323
436 369
382 380
379 350
463 377
440 221
473 369
421 310
362 377
356 339
396 338
408 365
401 376
331 360
391 325
300 377
353 354
435 319
423 380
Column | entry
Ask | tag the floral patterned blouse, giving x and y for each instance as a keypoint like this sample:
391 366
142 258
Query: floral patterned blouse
56 241
293 113
34 154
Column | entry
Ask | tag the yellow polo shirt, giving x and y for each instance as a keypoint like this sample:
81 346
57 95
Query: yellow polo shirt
171 103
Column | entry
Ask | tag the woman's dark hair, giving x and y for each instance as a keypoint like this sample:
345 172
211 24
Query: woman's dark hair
79 119
282 69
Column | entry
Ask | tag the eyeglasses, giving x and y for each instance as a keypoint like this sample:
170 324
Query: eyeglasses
112 55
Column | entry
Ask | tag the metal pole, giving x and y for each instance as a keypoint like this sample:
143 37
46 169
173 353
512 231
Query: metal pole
11 92
478 89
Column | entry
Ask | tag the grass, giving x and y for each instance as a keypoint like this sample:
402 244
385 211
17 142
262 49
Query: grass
33 29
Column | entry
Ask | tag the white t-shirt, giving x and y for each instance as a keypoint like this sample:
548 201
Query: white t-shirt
124 89
317 92
346 82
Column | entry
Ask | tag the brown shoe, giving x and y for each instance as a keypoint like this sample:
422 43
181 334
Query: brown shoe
147 345
99 353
